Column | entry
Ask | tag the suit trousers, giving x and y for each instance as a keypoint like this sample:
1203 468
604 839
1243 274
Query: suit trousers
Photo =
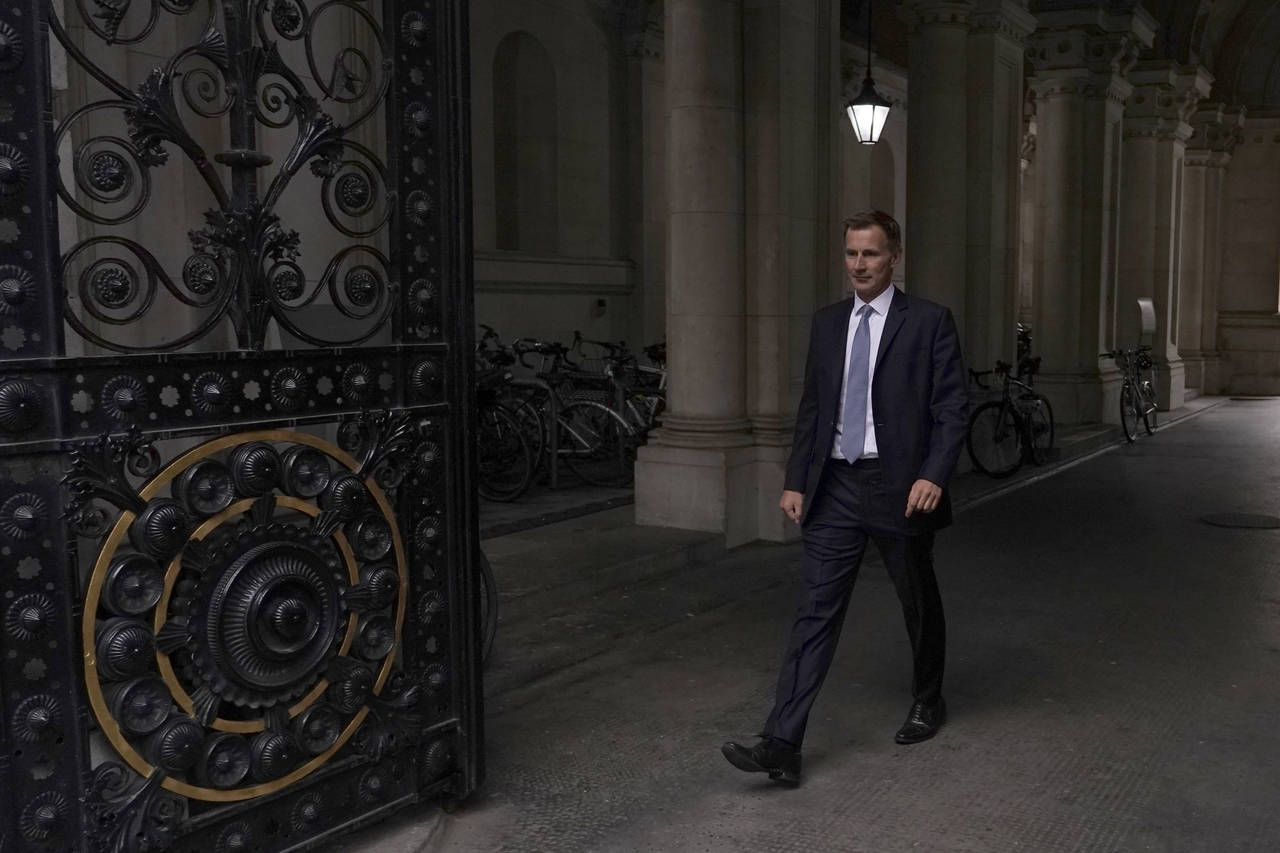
851 506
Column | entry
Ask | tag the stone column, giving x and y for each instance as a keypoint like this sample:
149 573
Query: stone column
1216 132
691 470
791 100
995 71
1027 213
1156 129
646 163
1081 56
937 152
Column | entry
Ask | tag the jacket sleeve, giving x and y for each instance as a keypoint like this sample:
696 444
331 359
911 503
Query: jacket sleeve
948 404
806 419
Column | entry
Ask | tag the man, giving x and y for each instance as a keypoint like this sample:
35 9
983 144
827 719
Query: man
881 420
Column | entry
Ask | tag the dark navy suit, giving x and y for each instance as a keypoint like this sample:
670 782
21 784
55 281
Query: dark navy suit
920 406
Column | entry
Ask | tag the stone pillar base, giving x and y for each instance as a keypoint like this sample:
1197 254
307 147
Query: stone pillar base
1171 384
1193 373
1079 398
1214 374
731 490
1201 373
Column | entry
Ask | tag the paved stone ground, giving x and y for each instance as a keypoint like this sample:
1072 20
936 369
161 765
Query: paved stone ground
1114 675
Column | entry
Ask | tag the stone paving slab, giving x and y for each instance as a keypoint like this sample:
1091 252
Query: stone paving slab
593 596
1113 674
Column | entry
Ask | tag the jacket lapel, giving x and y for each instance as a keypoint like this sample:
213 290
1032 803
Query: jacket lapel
839 342
892 322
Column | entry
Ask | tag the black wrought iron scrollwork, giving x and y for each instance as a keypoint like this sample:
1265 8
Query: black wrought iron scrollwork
129 816
244 267
101 469
396 720
231 633
256 654
383 442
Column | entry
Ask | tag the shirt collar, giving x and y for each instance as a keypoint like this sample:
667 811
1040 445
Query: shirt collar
880 304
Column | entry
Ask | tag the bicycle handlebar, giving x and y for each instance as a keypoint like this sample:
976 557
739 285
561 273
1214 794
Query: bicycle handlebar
1002 368
609 347
522 347
1112 353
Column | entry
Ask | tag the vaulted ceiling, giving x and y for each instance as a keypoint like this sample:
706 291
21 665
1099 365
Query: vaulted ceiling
1239 42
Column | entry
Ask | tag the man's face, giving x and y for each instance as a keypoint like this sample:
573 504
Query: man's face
868 261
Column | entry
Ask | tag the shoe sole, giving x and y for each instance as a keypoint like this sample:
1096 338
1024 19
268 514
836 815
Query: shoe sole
745 764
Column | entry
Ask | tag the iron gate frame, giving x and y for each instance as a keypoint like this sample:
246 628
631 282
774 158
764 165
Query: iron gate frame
60 464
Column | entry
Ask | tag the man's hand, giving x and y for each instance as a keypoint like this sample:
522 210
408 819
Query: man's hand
792 503
924 497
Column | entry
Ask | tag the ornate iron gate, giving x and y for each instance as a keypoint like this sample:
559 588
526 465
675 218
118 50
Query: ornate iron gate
237 531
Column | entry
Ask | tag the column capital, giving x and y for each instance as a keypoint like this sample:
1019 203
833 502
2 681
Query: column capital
1082 83
918 13
1216 131
1088 51
1009 18
1089 38
1055 51
1164 99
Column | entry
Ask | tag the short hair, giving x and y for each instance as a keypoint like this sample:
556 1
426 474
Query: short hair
876 219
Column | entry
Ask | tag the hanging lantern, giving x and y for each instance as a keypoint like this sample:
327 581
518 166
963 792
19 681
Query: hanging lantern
869 111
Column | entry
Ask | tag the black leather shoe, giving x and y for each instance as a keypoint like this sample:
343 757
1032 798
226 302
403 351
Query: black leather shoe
779 759
923 722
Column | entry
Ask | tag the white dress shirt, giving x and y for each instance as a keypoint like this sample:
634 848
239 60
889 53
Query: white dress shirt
875 324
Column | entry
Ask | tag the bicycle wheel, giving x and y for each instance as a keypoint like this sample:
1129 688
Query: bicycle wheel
488 607
1039 421
528 410
995 439
597 444
1148 407
504 462
1130 411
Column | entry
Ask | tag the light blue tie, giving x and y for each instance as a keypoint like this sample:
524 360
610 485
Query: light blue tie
854 429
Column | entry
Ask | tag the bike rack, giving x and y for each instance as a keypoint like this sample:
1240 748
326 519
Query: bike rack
553 427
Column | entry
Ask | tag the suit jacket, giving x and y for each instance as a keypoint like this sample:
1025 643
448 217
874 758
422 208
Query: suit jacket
918 396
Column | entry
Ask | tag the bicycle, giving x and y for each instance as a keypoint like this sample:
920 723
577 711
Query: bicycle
505 462
1005 433
1137 394
594 441
638 391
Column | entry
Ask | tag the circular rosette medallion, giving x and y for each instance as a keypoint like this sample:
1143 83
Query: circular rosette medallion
238 625
265 614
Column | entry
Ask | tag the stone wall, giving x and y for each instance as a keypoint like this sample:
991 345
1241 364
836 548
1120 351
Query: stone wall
1249 297
573 270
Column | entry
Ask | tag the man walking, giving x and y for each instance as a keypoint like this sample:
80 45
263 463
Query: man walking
879 428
